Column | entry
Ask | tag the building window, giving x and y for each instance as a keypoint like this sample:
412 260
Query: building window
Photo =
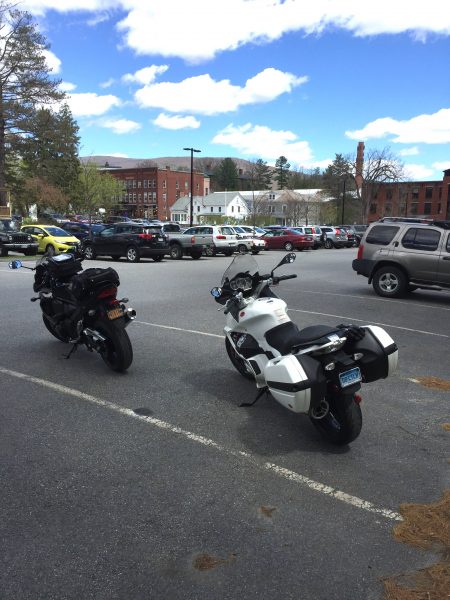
388 209
212 209
145 183
139 183
177 186
164 197
220 209
271 196
389 194
164 183
185 185
373 208
134 183
413 208
427 208
415 194
198 208
428 192
232 209
284 208
239 209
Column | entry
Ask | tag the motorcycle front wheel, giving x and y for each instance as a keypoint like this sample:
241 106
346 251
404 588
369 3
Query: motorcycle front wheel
116 351
237 361
342 422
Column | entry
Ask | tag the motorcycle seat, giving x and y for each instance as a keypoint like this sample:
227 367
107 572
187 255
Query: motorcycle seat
288 336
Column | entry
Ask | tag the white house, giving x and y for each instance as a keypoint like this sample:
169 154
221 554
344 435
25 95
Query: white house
230 205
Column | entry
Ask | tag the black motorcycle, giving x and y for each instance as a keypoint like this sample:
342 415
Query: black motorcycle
81 307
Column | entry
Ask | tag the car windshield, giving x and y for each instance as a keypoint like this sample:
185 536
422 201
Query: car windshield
57 231
8 225
241 264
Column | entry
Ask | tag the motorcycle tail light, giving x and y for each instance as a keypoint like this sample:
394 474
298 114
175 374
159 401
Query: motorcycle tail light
107 293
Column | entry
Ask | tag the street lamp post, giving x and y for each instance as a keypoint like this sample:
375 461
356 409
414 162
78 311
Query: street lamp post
192 150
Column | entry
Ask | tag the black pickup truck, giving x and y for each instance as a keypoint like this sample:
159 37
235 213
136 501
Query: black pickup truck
14 240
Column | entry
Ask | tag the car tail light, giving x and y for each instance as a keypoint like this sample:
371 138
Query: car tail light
107 293
193 239
220 237
360 251
146 236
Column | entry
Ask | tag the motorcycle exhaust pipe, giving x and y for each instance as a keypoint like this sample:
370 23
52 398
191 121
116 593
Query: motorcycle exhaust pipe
130 314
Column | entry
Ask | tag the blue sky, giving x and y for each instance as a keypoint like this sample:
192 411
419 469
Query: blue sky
255 78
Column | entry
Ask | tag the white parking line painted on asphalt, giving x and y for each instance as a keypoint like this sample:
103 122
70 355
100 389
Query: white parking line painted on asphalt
180 329
164 425
351 320
374 298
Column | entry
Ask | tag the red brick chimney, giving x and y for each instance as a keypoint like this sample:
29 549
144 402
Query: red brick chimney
359 164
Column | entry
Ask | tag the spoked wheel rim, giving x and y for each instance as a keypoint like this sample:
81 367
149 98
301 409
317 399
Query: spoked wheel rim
389 282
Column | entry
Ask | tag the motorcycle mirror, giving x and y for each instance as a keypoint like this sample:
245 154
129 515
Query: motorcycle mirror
216 292
15 264
287 259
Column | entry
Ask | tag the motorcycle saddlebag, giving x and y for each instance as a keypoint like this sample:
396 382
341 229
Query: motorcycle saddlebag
63 265
297 382
380 354
93 279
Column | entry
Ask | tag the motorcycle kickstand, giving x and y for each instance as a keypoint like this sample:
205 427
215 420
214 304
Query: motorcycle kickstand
72 350
260 393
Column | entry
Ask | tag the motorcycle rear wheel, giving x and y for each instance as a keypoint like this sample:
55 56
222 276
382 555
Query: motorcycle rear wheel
53 331
343 422
117 351
237 361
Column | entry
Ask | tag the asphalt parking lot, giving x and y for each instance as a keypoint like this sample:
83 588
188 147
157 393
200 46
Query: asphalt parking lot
196 497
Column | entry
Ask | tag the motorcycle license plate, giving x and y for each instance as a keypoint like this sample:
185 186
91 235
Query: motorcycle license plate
350 377
115 313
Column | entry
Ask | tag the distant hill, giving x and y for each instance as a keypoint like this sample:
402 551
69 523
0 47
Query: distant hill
205 163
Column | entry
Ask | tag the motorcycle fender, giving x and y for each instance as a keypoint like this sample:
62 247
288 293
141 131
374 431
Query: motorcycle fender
288 383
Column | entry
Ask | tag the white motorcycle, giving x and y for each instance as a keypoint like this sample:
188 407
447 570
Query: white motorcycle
317 370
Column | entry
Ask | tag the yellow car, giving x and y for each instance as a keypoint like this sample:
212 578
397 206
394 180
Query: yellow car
51 239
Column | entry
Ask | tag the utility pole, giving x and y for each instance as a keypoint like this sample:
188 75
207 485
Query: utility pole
192 150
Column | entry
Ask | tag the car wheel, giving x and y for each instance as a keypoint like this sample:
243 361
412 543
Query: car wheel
89 252
328 244
29 252
255 251
228 252
242 249
289 246
50 250
132 254
390 282
176 252
210 251
158 257
196 255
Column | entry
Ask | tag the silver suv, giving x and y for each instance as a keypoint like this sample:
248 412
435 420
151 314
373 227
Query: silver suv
333 237
400 255
216 238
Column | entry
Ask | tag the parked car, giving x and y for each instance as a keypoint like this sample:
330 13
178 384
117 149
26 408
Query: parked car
51 239
248 242
257 231
332 237
350 233
359 232
132 240
217 239
313 230
81 230
398 256
117 219
287 239
14 240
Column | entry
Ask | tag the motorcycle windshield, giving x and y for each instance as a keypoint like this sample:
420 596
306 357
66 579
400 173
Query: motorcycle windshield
242 264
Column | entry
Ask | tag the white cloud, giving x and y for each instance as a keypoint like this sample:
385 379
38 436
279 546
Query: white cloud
146 75
121 126
204 95
108 83
90 104
176 122
418 172
425 129
234 23
413 151
66 86
52 61
266 143
442 165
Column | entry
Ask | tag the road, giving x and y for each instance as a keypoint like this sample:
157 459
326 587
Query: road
195 497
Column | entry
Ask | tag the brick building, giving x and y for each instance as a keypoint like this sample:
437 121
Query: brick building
150 192
427 199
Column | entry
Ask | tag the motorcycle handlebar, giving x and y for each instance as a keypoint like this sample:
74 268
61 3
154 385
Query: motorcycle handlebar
283 277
